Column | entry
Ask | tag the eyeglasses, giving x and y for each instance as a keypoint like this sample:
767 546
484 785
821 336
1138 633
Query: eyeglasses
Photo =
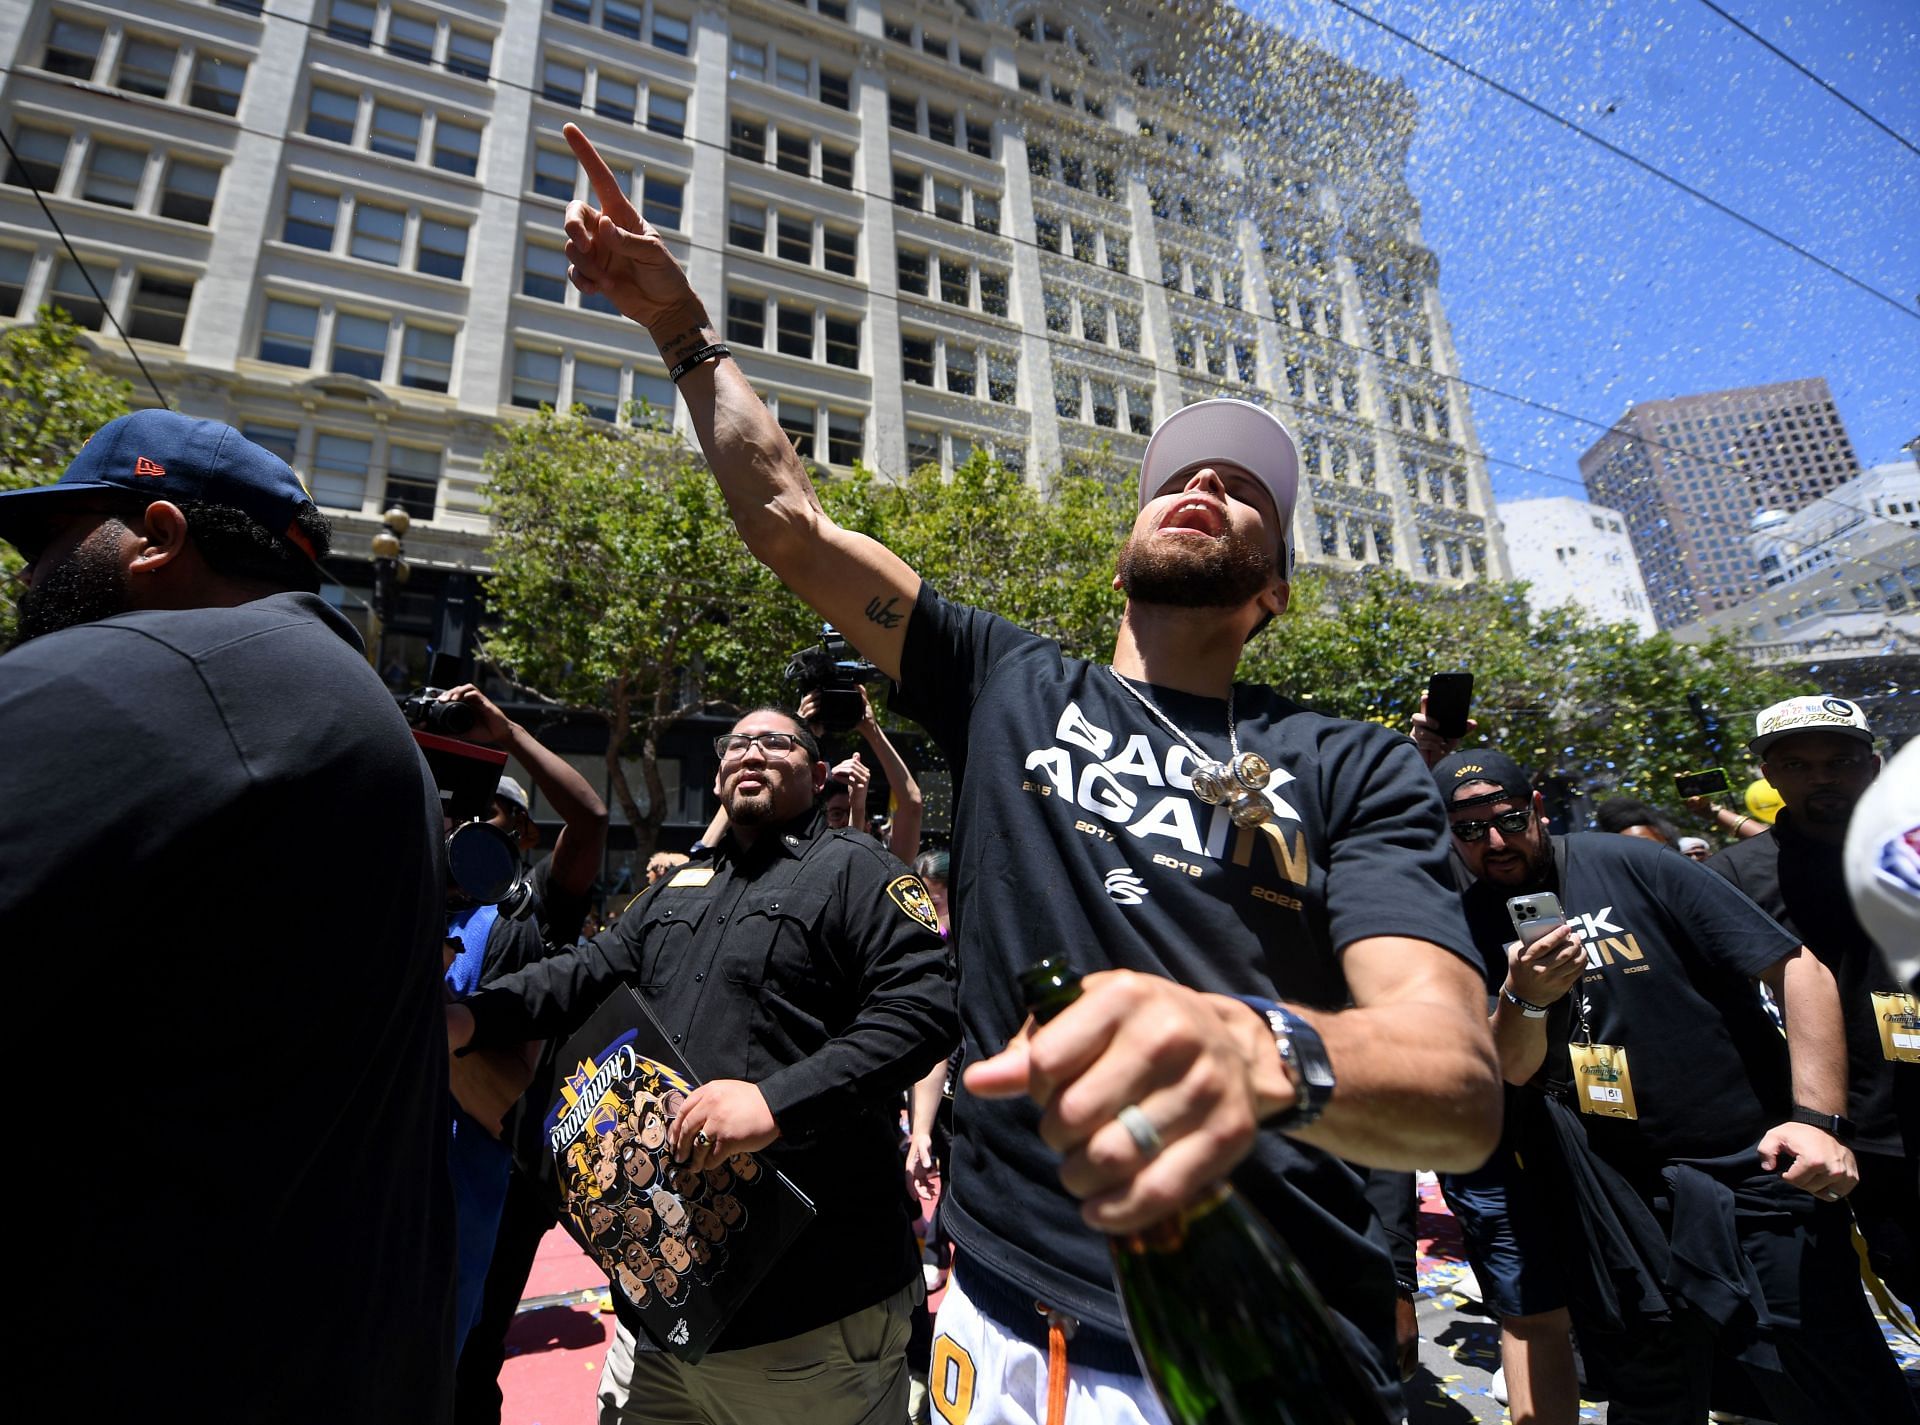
1509 823
774 744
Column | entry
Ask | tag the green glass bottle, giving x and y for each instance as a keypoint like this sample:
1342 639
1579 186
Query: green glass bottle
1224 1323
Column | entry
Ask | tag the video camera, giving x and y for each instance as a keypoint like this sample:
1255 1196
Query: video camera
832 671
480 859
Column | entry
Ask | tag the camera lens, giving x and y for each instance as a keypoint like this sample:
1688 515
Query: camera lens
452 718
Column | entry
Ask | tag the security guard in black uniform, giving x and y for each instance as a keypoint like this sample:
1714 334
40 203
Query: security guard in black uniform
802 974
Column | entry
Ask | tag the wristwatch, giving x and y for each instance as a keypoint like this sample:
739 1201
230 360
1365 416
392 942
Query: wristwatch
1528 1009
1840 1128
1303 1055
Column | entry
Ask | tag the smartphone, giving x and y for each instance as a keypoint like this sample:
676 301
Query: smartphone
1701 784
1534 915
1449 695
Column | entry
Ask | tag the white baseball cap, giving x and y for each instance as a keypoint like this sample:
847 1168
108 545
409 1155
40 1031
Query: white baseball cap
1231 433
1816 712
512 793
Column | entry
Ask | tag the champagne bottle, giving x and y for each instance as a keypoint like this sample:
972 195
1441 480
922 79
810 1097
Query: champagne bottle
1223 1322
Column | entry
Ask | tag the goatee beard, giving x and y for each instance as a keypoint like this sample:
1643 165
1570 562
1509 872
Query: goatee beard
1223 573
88 585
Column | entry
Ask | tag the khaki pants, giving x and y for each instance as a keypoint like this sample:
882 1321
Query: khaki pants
849 1372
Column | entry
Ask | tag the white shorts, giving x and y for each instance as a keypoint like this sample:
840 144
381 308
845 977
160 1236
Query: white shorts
983 1375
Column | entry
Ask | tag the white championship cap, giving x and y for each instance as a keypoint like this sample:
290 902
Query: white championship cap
1813 713
1232 433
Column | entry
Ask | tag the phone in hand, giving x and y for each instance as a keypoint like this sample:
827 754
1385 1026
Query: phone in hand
1709 783
1534 915
1449 696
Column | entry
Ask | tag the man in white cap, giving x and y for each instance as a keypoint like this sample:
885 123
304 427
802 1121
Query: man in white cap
1280 977
1817 752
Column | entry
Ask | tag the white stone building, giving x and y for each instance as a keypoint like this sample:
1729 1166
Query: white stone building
926 227
1573 552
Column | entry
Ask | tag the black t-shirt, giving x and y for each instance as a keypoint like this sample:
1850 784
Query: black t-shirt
1076 830
220 889
1801 883
1672 955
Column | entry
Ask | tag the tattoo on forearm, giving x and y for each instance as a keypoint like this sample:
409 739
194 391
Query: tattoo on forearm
884 614
674 347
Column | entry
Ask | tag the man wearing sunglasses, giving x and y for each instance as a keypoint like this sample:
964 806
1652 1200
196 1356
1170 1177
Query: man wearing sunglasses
801 972
1705 1155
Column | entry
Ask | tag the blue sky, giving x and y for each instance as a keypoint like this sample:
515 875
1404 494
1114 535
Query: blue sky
1575 279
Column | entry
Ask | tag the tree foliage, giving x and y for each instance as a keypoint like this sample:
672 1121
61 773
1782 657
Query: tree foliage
620 586
52 398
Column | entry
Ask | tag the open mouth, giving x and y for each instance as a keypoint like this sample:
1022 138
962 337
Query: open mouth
1196 516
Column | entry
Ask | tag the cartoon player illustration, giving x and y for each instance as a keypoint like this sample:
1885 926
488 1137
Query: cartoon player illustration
636 1221
666 1281
745 1166
630 1285
674 1254
719 1178
637 1163
701 1253
730 1210
603 1223
670 1210
707 1223
686 1184
606 1166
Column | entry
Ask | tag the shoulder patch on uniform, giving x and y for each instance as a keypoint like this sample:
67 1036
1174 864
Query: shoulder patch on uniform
691 876
910 894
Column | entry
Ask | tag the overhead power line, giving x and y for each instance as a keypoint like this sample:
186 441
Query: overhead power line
1832 89
1618 152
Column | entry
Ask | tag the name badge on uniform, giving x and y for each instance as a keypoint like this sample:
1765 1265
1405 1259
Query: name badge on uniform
1898 1016
1601 1082
691 876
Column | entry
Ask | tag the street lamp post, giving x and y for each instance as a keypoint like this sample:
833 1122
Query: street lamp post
389 571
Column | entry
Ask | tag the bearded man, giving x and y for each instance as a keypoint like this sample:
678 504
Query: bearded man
1278 976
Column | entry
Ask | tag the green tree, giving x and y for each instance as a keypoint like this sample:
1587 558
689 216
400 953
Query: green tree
1595 703
52 397
621 587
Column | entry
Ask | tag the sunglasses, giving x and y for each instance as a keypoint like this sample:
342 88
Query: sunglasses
1509 822
774 744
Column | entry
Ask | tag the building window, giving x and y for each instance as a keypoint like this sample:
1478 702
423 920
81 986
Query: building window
746 320
377 233
986 212
395 131
280 440
340 470
843 342
667 114
563 83
747 226
553 174
1139 411
792 73
846 438
1003 378
536 378
113 175
661 201
311 218
1066 395
71 291
72 49
332 115
40 155
1093 320
955 280
793 331
352 21
543 273
749 60
962 370
1046 231
923 447
946 200
410 37
621 17
413 480
469 54
836 167
14 265
216 84
670 33
596 388
287 332
800 423
906 187
793 239
838 250
146 67
359 346
916 359
159 309
913 273
456 148
979 138
1126 322
835 90
993 293
615 97
426 359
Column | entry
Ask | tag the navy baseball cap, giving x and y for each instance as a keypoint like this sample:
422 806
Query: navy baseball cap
1477 766
163 455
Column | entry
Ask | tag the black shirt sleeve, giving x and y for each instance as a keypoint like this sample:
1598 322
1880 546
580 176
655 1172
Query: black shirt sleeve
1388 871
901 978
551 998
560 912
949 653
1727 927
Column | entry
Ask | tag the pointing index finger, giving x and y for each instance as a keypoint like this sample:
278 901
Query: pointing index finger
606 187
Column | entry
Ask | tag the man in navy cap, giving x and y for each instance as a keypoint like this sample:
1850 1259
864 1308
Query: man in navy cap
252 1041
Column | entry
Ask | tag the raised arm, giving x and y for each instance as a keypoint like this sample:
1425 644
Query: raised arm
855 583
910 805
